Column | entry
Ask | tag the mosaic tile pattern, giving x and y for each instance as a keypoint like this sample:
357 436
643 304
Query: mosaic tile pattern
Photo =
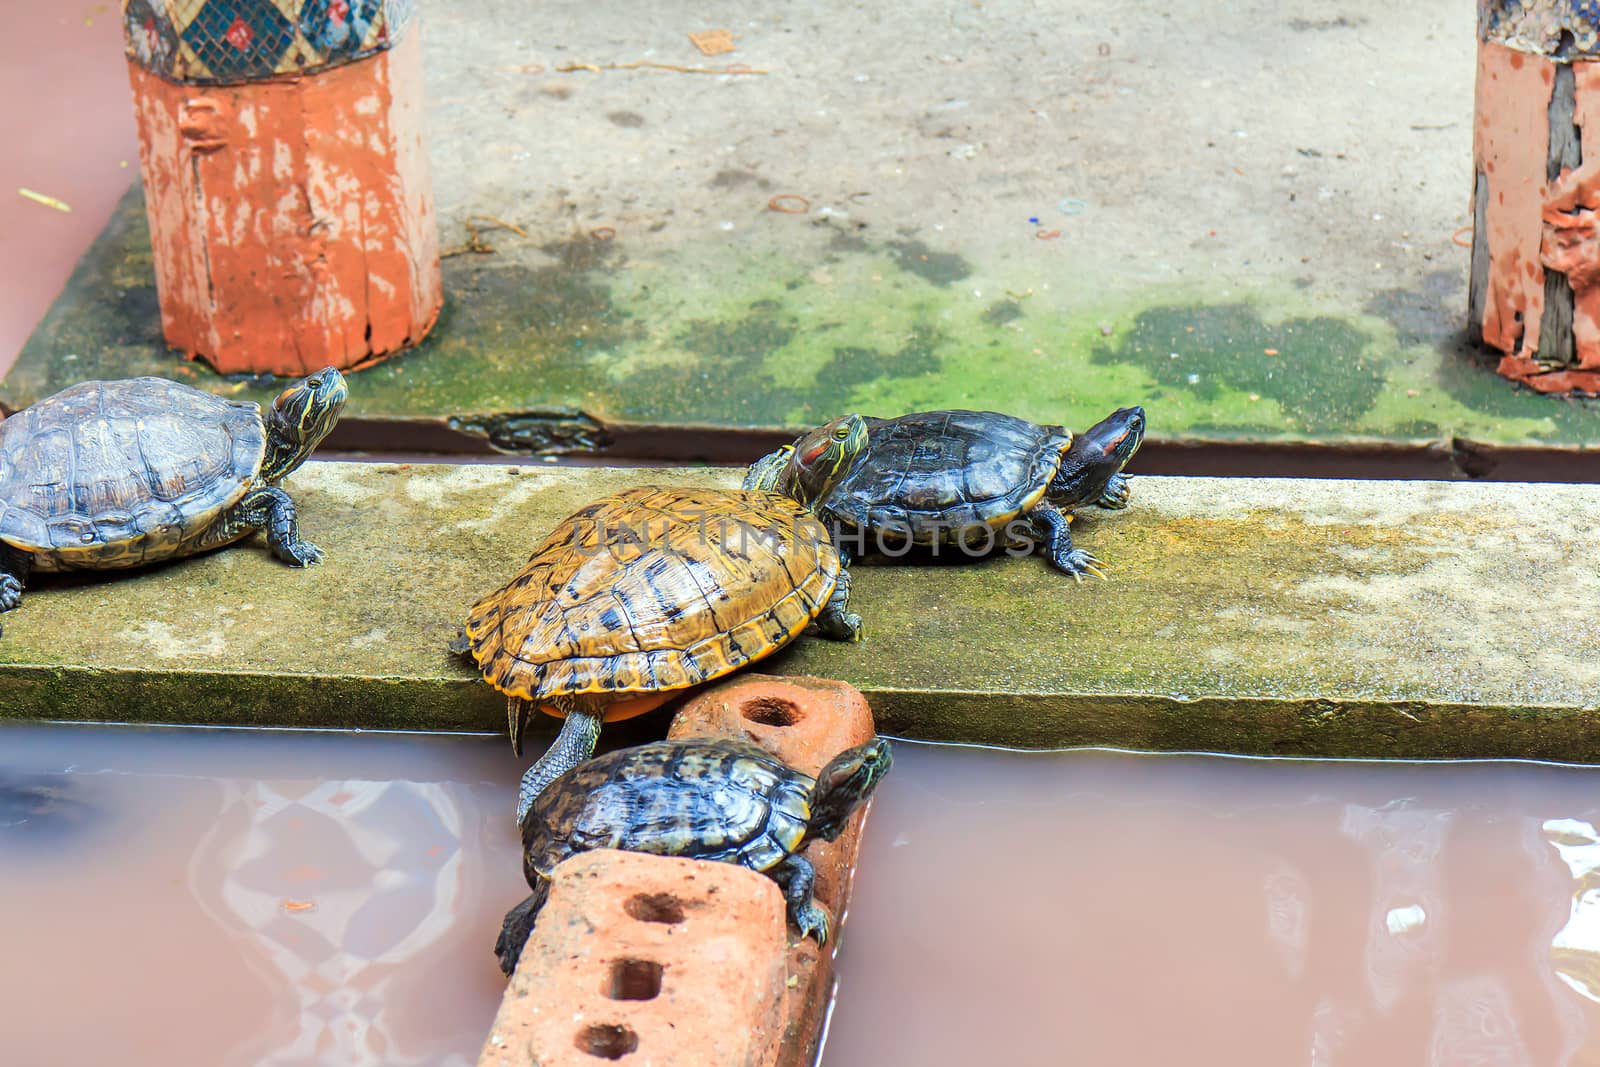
1539 26
205 42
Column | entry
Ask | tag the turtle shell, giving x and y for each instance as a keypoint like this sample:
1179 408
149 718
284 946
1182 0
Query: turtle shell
706 798
654 589
120 473
934 473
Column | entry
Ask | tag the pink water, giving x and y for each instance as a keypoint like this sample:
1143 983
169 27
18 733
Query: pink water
233 897
189 897
1099 909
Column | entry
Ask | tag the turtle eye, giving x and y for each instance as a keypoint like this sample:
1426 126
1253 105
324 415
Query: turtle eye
841 433
314 382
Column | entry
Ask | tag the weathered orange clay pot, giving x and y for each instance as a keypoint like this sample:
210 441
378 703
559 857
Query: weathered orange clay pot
1535 277
291 215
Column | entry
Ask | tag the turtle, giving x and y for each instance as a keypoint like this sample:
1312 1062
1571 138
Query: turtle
656 589
975 479
106 475
706 798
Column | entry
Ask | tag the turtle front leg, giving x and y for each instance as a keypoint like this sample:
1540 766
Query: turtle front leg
1055 529
797 878
1115 498
268 507
518 927
836 621
579 732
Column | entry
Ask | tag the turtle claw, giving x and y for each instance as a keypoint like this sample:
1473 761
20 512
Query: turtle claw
302 554
1079 563
812 921
1115 498
10 592
846 628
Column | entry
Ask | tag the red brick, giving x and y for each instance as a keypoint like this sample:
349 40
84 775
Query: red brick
805 722
597 980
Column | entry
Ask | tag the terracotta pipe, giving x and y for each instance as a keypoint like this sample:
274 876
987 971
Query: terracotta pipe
291 214
1535 278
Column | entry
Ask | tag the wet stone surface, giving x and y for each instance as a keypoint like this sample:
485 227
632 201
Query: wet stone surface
1268 616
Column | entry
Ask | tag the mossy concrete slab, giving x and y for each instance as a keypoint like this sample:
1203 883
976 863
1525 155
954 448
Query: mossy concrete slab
1330 618
1239 216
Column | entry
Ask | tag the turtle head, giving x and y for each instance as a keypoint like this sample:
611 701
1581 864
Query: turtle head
845 784
300 418
821 458
1096 455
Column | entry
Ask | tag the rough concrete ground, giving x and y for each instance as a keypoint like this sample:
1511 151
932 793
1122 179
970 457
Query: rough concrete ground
1254 202
1242 615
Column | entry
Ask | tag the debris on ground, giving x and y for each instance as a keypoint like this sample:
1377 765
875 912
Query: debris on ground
596 68
712 42
47 201
475 244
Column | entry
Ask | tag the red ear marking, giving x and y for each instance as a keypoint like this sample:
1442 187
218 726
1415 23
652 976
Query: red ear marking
811 456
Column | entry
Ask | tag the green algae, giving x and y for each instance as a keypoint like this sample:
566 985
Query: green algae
772 332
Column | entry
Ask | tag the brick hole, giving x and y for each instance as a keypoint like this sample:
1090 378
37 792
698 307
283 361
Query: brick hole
655 908
607 1042
771 711
634 980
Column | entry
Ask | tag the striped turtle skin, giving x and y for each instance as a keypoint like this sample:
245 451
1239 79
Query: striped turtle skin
707 798
116 474
655 589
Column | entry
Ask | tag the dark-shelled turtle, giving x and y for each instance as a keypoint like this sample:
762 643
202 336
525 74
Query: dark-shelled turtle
114 474
974 478
705 798
653 590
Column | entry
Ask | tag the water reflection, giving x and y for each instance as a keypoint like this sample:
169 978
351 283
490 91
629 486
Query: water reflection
1098 908
239 898
1403 842
245 898
1575 950
340 884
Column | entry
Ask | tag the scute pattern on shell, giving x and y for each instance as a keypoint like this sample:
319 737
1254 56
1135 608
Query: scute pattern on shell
957 469
120 473
654 589
731 801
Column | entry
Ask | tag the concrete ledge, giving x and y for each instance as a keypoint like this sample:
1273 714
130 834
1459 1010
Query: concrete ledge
1332 618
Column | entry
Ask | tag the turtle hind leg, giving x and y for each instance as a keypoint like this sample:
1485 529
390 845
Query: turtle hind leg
797 878
1056 532
271 508
579 732
836 621
518 927
14 568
